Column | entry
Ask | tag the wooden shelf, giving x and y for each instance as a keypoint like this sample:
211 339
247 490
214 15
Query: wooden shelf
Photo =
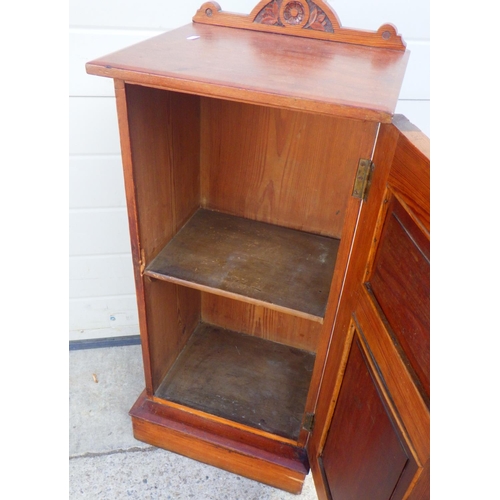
280 268
242 378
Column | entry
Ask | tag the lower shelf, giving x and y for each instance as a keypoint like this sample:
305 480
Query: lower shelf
241 378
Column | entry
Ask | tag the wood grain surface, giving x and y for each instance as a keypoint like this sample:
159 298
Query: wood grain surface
281 268
393 253
265 68
368 459
260 321
241 378
310 19
401 285
280 166
234 449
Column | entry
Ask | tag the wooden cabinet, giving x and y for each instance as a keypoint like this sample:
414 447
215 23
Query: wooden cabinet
279 223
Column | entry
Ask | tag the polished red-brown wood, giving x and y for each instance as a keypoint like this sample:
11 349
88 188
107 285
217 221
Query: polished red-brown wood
401 173
400 283
270 128
264 68
160 199
261 321
285 167
364 455
311 19
233 448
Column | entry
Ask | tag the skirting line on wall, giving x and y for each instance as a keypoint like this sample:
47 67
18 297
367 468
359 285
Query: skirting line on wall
75 345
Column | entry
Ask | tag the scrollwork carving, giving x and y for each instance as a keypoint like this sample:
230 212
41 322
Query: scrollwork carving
298 13
318 20
269 14
313 19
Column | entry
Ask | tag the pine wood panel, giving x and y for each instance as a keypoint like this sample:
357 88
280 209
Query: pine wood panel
332 311
165 137
260 321
242 378
409 405
364 454
130 193
400 283
311 75
280 166
422 486
282 268
172 314
395 380
336 357
161 171
413 185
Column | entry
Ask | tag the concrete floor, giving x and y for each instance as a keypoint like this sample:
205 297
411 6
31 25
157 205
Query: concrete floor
106 462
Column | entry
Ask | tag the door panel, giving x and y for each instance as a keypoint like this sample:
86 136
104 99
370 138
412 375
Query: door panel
371 438
367 460
400 283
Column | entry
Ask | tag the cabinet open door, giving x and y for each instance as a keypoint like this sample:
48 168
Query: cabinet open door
372 430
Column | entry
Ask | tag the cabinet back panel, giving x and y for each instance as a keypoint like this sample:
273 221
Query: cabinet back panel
260 321
165 138
280 166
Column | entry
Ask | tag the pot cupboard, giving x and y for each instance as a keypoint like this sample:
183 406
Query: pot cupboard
279 225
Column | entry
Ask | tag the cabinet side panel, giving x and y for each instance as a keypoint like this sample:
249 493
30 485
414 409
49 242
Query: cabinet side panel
280 166
172 313
165 137
164 141
261 322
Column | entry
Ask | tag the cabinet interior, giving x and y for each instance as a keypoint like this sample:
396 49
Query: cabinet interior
240 212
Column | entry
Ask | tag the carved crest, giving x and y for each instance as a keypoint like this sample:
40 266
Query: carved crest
303 14
304 18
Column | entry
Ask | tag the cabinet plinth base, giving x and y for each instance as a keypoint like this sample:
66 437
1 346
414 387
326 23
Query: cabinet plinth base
234 449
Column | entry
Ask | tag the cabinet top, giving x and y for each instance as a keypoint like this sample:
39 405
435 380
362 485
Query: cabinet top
268 68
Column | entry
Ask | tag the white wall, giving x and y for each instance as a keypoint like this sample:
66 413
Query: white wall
102 296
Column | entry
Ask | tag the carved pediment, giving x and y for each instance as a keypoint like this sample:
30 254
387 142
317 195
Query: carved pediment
305 18
293 13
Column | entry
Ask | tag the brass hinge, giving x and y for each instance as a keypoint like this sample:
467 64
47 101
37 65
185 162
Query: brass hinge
363 179
308 423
